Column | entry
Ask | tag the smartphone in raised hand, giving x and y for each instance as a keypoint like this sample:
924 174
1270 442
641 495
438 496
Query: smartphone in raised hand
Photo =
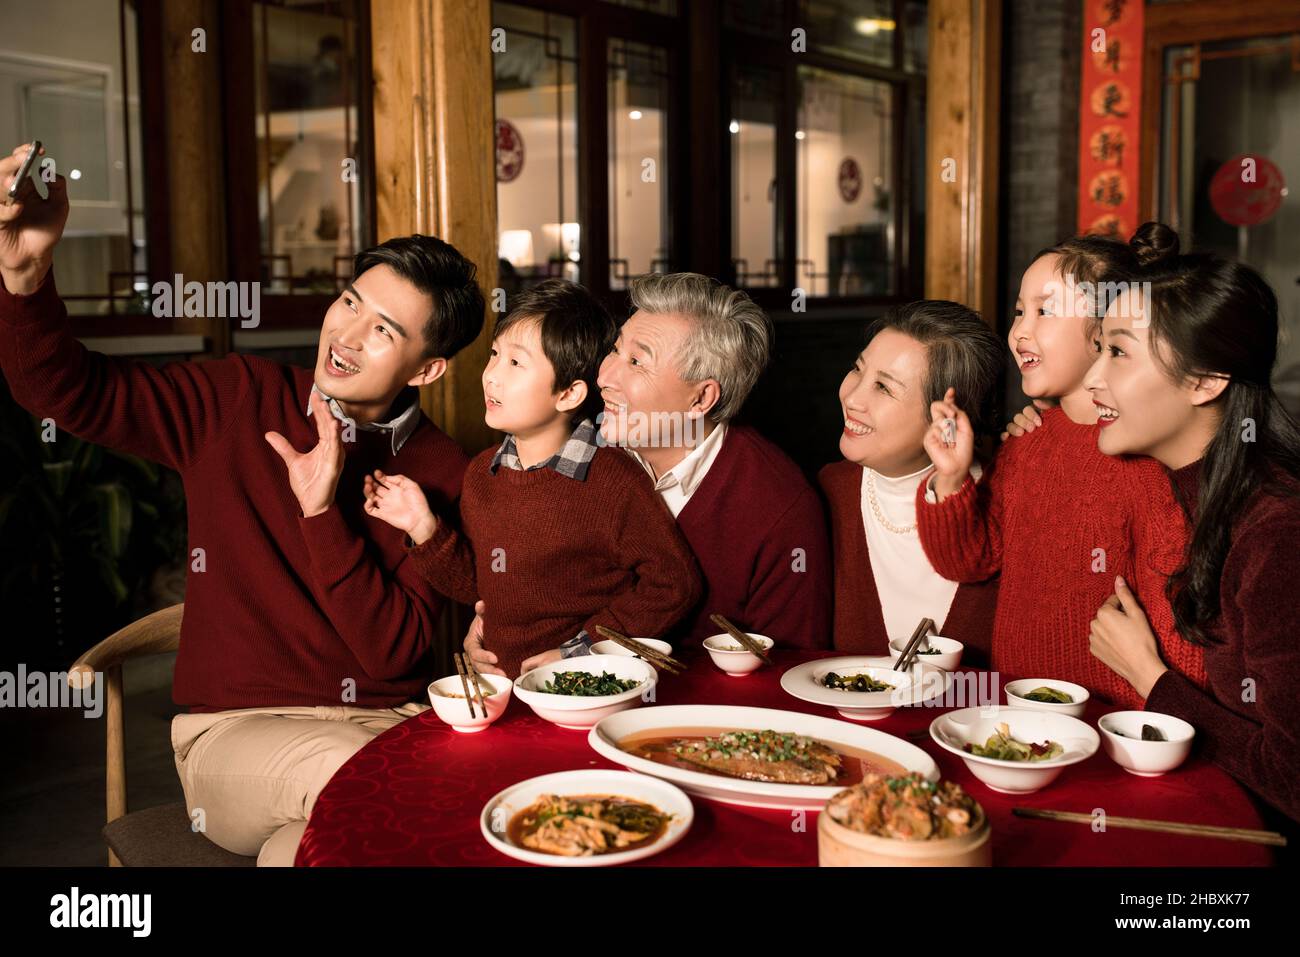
23 171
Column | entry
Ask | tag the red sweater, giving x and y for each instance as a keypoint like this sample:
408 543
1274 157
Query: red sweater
759 532
551 555
1248 720
859 622
289 610
1060 520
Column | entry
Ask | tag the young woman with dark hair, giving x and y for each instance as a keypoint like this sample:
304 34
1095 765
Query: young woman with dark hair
1185 378
1056 517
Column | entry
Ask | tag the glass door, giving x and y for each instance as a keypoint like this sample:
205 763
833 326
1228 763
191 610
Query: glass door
1229 164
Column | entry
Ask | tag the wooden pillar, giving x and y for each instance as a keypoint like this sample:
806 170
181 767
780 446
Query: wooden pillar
709 228
435 164
963 89
192 130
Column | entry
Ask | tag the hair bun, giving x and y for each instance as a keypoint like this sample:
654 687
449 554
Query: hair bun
1154 243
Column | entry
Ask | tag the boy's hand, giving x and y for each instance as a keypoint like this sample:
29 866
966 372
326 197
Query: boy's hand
536 661
399 502
1024 422
952 461
314 475
29 226
484 660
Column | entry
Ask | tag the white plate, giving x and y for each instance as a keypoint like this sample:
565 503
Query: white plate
801 682
497 813
604 738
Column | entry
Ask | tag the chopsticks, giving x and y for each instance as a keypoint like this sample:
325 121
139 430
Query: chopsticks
908 657
656 658
1169 827
469 674
744 639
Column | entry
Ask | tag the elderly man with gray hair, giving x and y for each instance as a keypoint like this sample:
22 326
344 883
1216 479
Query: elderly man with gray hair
682 367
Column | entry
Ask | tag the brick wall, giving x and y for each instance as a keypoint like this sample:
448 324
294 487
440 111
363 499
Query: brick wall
1040 119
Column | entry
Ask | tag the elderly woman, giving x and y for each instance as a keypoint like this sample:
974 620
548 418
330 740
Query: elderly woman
884 584
682 367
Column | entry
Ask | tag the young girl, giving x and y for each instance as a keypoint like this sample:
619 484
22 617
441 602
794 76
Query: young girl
884 584
1188 383
1055 516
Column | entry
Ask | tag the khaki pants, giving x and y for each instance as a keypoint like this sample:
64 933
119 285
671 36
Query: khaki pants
251 776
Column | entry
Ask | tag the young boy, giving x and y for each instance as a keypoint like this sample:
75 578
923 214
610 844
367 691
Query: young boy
559 534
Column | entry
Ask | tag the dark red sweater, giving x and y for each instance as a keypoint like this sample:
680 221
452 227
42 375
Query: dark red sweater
551 556
1248 720
289 610
1061 520
759 532
859 622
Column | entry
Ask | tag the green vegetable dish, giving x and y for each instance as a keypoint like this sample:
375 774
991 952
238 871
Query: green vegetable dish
1003 747
1048 696
854 683
586 684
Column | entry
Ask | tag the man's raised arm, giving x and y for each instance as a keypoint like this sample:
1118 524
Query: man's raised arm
168 415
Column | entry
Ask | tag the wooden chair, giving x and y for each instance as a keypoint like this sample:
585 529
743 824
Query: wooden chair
158 836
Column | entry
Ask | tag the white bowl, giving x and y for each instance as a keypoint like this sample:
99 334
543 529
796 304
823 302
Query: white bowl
735 663
494 821
1016 691
581 713
866 705
455 712
976 725
1148 759
608 647
948 658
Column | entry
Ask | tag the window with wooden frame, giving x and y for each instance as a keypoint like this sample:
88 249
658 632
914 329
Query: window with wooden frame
653 136
300 183
824 109
81 96
591 141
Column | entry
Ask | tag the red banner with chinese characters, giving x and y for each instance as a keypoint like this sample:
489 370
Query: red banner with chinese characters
1110 117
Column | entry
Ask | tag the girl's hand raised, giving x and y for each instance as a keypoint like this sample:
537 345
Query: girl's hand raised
399 502
950 443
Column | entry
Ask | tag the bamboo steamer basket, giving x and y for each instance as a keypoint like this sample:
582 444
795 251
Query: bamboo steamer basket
840 846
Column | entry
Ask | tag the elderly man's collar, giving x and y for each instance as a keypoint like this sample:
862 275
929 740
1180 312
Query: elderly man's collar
399 427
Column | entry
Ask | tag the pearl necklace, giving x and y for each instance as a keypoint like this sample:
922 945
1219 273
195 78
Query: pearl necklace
880 515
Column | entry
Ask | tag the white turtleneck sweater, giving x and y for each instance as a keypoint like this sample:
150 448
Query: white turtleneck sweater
909 587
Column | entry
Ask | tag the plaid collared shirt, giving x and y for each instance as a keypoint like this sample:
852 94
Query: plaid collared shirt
573 460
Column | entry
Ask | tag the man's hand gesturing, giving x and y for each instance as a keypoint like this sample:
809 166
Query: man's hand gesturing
314 475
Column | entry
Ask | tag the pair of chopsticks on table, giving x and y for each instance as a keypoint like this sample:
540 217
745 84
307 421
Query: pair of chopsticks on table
469 675
1168 827
920 639
672 665
746 642
657 658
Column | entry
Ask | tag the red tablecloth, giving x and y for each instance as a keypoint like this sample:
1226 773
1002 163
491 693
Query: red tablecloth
413 795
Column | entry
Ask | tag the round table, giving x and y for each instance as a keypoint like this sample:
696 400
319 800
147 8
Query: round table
413 795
